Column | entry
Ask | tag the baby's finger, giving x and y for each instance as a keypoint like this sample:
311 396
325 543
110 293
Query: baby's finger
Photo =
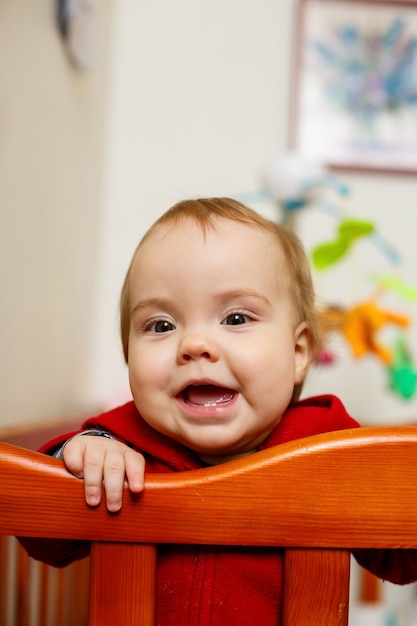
73 455
135 470
114 478
94 459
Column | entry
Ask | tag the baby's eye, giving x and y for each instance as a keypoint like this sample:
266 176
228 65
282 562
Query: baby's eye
235 319
160 326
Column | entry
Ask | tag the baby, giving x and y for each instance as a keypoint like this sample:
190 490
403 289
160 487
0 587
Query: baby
219 329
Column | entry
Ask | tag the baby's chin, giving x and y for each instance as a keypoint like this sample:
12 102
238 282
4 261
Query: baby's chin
218 460
216 457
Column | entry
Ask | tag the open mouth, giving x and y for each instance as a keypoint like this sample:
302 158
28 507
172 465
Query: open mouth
207 395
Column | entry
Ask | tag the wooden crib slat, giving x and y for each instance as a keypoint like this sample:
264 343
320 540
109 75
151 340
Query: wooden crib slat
128 597
22 596
34 593
60 598
44 572
81 592
305 601
3 579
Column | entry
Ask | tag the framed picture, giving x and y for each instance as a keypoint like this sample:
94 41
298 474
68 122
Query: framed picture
354 104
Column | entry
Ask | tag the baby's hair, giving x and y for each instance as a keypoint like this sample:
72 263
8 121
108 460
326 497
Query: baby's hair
205 212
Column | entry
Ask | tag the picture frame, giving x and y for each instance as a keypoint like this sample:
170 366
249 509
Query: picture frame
354 95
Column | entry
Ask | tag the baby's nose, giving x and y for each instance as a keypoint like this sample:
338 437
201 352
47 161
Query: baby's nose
195 346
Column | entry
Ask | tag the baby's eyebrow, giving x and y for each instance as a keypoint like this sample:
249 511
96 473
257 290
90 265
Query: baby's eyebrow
149 303
162 304
236 294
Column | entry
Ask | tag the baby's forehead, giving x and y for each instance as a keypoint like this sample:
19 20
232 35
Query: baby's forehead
175 228
168 242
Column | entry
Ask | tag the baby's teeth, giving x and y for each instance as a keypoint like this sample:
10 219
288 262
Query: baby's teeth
222 400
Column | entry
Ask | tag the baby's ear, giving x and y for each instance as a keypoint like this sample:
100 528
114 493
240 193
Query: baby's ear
303 353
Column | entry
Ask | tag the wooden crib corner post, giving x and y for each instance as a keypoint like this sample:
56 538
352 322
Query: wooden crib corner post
122 584
316 587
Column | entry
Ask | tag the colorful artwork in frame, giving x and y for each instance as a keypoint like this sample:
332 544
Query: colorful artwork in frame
355 88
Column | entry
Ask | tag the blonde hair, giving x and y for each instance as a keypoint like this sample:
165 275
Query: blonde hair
205 212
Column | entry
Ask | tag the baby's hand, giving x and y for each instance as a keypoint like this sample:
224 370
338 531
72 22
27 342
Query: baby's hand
99 461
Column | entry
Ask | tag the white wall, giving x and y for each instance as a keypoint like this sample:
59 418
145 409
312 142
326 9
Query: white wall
52 129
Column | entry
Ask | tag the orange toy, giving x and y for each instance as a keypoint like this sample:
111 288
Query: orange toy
360 324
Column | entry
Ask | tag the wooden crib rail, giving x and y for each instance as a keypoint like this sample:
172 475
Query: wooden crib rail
335 479
317 497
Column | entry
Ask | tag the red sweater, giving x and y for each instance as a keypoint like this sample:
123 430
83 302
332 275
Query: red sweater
211 585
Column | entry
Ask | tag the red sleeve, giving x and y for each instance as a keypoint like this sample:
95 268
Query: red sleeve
55 552
396 566
52 446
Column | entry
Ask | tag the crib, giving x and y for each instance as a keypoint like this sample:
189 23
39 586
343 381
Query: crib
32 593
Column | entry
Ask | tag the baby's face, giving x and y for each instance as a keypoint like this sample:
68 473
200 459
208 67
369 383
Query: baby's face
214 346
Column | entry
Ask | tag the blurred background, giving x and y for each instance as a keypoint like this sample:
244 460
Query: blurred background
164 101
112 113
